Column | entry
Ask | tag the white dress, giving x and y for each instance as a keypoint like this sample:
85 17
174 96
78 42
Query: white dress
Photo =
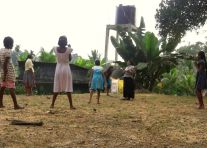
63 81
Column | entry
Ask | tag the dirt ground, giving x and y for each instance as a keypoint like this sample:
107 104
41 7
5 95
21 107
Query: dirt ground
151 120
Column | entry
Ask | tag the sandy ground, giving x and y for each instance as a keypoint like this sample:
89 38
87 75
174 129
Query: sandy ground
151 120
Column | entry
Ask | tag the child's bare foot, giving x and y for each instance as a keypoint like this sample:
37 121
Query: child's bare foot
123 98
201 107
18 107
89 102
72 108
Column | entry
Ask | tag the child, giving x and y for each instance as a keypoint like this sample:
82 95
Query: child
129 73
201 81
63 77
97 80
28 79
107 75
7 72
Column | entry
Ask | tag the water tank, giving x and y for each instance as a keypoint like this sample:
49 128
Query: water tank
125 14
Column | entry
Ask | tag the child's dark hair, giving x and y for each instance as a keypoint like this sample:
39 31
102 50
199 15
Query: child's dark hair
62 42
109 70
29 56
8 42
203 57
97 62
131 63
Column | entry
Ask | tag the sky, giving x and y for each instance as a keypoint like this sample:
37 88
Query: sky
39 23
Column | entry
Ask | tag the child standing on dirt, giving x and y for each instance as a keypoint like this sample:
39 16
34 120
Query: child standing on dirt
201 80
7 72
63 81
29 78
129 86
97 80
107 75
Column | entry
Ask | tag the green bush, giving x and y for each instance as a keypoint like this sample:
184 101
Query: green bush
179 81
19 88
23 56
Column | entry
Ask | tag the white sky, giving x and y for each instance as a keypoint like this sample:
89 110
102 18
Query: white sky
39 23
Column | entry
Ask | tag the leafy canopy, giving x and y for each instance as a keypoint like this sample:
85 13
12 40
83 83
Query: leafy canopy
175 17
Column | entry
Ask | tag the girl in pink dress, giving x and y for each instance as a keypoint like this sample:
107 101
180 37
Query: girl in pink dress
63 78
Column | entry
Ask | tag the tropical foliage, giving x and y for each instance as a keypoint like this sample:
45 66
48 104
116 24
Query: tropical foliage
90 62
85 63
179 81
152 56
47 57
23 55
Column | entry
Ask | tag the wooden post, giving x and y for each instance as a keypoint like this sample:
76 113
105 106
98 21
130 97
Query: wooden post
106 44
117 38
129 27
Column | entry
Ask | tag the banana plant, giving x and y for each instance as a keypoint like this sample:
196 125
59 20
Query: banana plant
149 54
47 57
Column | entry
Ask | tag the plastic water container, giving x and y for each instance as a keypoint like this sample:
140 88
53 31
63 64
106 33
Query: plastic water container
116 86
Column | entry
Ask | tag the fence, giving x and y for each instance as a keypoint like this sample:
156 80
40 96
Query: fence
44 76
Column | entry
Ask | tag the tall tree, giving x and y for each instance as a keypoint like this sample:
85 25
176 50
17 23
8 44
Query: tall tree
141 28
175 17
94 55
193 49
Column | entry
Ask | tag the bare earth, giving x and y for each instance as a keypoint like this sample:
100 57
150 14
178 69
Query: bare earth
150 120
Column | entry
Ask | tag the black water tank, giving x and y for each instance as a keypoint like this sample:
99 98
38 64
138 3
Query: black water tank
125 14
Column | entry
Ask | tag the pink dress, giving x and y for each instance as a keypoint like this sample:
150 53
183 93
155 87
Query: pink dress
63 81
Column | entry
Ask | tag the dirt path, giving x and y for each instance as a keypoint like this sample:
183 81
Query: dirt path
150 120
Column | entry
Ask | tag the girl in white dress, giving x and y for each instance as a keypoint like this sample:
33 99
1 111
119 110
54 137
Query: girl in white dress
63 78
